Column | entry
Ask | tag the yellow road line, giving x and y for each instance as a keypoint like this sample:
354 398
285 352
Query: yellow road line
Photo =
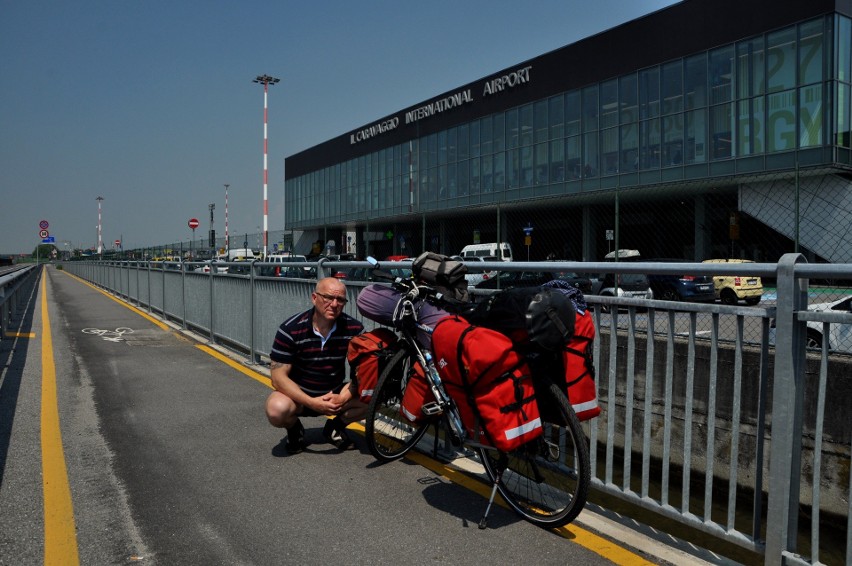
60 535
237 366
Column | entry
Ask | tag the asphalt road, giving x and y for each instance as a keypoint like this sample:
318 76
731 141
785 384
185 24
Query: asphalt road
170 460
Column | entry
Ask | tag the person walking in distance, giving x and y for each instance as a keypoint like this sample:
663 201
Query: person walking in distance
308 369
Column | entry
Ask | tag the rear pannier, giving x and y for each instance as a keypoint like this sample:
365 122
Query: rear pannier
489 381
368 355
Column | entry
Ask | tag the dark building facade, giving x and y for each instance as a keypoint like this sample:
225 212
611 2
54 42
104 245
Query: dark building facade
737 113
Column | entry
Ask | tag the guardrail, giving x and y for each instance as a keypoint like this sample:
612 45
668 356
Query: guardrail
693 395
12 281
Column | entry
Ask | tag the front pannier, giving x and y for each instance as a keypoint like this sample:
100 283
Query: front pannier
416 395
368 355
489 381
580 368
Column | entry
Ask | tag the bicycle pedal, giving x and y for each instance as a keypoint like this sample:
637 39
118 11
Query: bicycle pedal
432 409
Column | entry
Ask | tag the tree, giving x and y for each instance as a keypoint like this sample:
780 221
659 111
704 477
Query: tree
45 251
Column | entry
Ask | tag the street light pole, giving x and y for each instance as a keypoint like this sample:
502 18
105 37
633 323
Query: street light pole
265 80
100 238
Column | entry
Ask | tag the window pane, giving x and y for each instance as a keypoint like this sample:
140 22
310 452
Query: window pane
673 140
498 133
526 166
590 108
540 121
722 131
573 157
513 169
781 121
750 68
474 139
695 82
572 113
487 173
609 104
463 142
810 52
722 74
540 172
609 151
629 148
844 48
842 135
557 161
442 147
526 124
810 116
486 135
672 85
590 155
500 171
628 96
696 137
781 60
474 176
452 145
649 93
512 133
649 148
556 114
745 128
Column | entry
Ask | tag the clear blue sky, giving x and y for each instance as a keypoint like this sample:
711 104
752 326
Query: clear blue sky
151 105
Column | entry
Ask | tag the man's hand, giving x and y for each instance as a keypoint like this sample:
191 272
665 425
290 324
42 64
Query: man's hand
328 404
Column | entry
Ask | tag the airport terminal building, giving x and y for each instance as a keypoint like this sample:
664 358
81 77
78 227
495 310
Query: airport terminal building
711 127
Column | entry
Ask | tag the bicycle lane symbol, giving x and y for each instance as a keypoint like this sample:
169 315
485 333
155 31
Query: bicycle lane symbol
110 335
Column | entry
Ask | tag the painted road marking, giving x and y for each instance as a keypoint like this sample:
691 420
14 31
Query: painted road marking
110 335
19 335
60 535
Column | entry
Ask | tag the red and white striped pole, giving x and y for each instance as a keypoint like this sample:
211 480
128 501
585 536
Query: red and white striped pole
266 80
227 241
100 238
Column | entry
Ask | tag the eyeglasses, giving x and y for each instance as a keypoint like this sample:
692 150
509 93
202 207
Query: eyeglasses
332 298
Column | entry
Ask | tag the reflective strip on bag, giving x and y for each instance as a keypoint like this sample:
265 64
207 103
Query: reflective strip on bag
525 428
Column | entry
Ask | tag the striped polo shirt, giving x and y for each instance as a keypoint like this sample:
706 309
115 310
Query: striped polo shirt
316 367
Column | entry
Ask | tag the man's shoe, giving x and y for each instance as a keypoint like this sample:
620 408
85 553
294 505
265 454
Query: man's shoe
335 433
296 438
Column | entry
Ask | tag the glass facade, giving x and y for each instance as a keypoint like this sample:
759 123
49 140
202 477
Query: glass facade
777 92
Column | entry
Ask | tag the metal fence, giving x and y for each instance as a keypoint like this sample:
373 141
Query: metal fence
14 286
731 419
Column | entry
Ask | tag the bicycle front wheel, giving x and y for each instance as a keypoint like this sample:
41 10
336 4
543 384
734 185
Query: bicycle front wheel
388 433
546 480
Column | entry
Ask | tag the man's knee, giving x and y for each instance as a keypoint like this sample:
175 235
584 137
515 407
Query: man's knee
280 410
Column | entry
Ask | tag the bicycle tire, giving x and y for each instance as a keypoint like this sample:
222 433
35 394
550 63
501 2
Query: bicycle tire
389 435
545 480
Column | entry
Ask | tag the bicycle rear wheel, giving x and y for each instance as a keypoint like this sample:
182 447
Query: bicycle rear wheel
388 433
546 480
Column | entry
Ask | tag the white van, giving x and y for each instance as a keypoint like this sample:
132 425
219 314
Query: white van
237 254
278 269
503 250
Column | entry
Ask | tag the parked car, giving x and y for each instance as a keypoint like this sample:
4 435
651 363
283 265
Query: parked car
281 266
686 287
633 285
214 264
839 334
730 289
473 278
509 279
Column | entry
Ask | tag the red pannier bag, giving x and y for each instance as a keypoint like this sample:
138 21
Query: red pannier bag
580 369
368 355
416 394
489 381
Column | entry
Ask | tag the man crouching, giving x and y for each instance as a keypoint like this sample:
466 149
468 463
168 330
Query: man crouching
308 369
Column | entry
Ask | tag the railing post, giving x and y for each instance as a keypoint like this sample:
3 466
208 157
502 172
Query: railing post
252 282
787 401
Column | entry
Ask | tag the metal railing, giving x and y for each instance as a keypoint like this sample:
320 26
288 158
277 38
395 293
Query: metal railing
12 281
694 395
